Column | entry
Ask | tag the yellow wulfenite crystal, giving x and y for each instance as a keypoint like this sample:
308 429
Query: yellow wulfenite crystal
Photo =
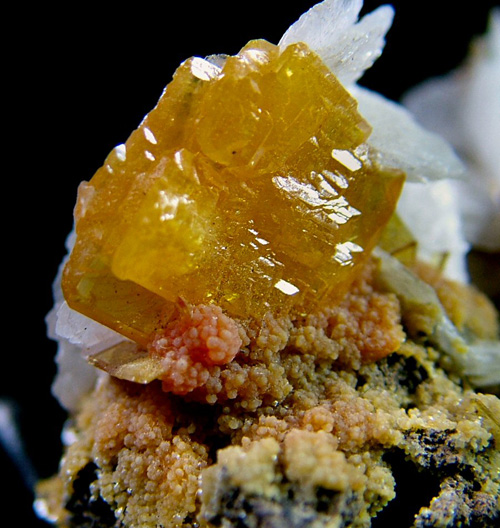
248 186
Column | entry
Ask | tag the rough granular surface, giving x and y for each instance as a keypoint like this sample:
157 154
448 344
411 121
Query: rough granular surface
332 419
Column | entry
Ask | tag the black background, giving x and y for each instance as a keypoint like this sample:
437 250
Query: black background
78 79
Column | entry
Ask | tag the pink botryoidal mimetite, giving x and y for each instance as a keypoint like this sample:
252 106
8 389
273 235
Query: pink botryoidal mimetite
191 345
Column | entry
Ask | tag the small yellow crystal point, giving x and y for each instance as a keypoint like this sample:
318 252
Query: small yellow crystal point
248 186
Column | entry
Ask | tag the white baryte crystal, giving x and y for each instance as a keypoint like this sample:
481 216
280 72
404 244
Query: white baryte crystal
464 108
475 358
89 335
402 143
332 30
76 339
431 212
482 364
75 376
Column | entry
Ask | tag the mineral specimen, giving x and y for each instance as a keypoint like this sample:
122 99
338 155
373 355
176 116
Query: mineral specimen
277 355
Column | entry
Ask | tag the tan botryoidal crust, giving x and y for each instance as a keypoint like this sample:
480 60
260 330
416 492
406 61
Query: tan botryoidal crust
314 423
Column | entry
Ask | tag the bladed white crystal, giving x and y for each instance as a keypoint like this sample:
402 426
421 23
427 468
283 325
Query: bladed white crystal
347 46
402 143
431 212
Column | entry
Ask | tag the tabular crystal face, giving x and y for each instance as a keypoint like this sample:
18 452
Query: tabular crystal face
248 186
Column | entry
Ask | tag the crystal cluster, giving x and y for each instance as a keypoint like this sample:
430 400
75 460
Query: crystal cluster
249 186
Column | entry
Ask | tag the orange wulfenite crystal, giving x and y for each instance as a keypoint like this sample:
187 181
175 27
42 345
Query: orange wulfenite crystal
249 186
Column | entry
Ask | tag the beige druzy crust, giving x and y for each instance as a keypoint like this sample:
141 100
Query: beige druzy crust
303 426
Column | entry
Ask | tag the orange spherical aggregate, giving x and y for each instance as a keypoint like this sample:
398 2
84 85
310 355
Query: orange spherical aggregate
193 344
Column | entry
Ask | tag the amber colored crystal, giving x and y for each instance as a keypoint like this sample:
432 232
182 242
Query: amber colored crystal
249 186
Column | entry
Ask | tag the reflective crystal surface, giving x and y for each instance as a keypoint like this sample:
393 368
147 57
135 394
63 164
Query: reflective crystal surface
249 186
